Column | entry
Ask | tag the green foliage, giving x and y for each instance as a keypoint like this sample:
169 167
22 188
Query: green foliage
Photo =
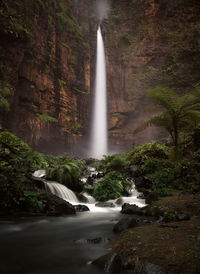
67 173
62 83
17 160
46 118
74 128
116 131
112 186
114 162
15 20
150 150
67 22
32 202
180 113
5 92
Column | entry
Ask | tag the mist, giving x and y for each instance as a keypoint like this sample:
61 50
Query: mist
101 8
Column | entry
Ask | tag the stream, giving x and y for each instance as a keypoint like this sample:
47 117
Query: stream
60 245
55 245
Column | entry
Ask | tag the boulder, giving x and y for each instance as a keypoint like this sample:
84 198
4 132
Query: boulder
105 204
151 197
81 198
90 180
143 182
114 263
99 175
131 209
119 201
81 208
182 217
125 223
59 206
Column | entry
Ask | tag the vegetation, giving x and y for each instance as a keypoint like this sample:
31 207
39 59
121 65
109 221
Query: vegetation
65 171
112 186
18 192
46 118
5 92
179 113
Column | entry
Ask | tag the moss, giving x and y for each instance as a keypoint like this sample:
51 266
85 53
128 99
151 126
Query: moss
46 118
74 128
67 47
116 131
62 83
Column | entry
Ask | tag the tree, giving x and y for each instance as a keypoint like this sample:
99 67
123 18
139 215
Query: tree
179 113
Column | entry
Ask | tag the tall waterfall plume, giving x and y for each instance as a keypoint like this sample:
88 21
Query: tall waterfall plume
99 136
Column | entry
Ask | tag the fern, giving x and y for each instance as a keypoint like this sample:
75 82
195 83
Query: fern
180 113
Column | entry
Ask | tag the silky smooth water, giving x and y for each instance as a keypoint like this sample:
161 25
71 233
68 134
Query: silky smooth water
99 138
55 245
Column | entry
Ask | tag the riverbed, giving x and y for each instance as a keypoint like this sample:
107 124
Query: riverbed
56 245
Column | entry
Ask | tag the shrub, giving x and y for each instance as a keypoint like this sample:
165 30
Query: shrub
67 174
111 186
151 150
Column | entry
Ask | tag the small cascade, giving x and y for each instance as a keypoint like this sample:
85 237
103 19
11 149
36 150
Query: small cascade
61 191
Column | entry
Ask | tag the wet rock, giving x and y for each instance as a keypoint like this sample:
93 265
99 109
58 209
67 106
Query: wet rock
182 217
114 263
141 196
119 201
81 208
59 206
97 240
100 175
125 223
90 180
105 204
143 182
81 198
151 197
131 209
148 268
38 182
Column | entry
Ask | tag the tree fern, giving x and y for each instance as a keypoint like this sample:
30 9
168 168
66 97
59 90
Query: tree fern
180 113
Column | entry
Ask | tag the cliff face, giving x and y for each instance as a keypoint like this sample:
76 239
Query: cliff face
48 54
148 43
48 60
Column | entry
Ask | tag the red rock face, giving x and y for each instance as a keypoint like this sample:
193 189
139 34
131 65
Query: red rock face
53 79
148 43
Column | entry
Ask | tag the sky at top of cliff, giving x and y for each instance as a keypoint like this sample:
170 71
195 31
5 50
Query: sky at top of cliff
102 8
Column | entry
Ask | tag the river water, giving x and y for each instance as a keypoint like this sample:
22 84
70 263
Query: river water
55 245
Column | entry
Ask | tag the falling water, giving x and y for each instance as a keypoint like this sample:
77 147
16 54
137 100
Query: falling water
99 123
61 191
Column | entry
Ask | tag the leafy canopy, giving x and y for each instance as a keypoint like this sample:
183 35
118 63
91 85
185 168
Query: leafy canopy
179 113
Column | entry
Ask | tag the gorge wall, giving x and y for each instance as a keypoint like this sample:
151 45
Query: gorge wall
48 61
48 51
148 43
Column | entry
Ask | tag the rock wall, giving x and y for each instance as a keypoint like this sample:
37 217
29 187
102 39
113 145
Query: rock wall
48 63
148 43
48 60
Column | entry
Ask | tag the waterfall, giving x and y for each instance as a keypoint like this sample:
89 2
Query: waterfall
61 191
99 123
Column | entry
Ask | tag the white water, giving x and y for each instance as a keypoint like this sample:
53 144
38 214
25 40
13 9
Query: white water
69 196
99 138
61 191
